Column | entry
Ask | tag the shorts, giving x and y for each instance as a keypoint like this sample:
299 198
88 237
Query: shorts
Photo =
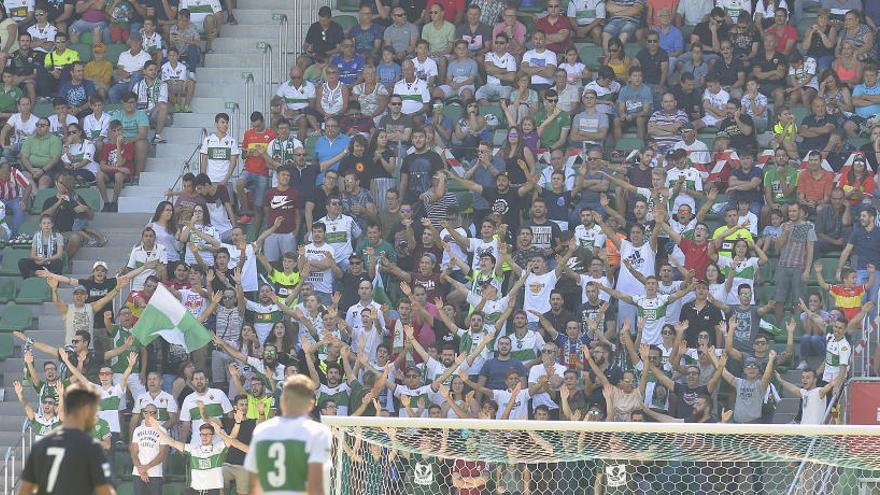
619 25
448 91
789 284
153 115
493 92
258 184
276 245
80 224
237 473
83 175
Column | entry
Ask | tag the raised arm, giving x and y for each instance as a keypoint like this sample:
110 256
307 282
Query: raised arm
28 410
153 423
768 371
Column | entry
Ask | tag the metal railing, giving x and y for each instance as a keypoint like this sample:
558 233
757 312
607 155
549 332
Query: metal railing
234 111
250 93
187 164
303 13
283 48
267 69
10 472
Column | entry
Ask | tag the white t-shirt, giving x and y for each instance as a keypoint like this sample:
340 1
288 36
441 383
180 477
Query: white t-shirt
133 63
174 74
296 98
164 402
506 62
642 260
78 152
425 70
249 270
543 399
206 467
112 401
698 152
479 247
95 128
18 9
59 129
149 445
340 233
653 312
693 180
538 288
21 129
219 152
46 33
216 405
543 59
284 445
603 281
199 9
139 257
321 280
414 95
812 407
837 354
717 101
589 237
520 405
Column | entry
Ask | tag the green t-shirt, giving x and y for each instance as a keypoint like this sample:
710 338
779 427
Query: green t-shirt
120 363
9 99
101 430
438 39
131 123
40 150
554 129
382 247
771 180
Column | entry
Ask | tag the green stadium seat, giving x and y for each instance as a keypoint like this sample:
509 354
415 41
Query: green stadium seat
767 272
7 289
538 6
631 49
84 48
590 55
9 265
829 267
92 197
799 112
628 144
34 290
528 21
113 51
30 225
310 143
764 293
40 198
346 22
6 346
453 112
112 107
348 5
16 317
43 109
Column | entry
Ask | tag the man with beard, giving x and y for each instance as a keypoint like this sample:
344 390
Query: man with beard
215 401
688 393
165 404
418 168
268 367
495 371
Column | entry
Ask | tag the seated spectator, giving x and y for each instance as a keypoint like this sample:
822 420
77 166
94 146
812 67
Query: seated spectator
732 72
695 64
462 74
866 96
135 126
618 60
819 131
78 156
665 124
847 65
99 71
858 35
738 126
64 208
349 63
500 67
624 18
129 69
786 34
323 37
802 82
367 35
634 106
819 40
590 127
24 63
715 101
588 19
41 155
116 165
838 101
833 224
77 91
185 37
47 248
814 183
401 37
654 62
858 184
785 133
17 129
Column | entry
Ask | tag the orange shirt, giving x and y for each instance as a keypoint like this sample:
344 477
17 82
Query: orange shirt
254 140
612 252
815 189
848 299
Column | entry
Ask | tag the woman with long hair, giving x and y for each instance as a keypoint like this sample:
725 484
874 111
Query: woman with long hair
519 161
838 100
199 233
857 183
47 248
164 224
741 268
384 167
847 65
358 161
280 337
523 101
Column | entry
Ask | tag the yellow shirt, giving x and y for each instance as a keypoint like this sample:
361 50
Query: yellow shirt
58 62
99 72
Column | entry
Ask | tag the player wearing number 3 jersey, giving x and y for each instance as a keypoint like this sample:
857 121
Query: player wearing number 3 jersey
68 460
290 454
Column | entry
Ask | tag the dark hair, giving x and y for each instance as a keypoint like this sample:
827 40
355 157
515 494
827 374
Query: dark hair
78 396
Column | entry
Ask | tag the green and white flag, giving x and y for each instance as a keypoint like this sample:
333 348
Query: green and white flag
166 317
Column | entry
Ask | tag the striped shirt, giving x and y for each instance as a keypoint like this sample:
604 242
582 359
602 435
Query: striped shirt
661 118
14 186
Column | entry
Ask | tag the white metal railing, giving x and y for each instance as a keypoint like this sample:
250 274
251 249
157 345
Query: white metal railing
267 69
15 458
250 93
283 49
303 13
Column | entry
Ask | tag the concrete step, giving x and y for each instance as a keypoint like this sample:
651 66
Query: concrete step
274 5
137 204
230 60
261 30
176 152
223 75
181 135
198 120
120 221
143 190
254 14
222 92
160 176
246 45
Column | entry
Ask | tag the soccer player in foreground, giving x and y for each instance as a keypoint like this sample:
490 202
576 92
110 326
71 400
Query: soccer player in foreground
290 454
69 460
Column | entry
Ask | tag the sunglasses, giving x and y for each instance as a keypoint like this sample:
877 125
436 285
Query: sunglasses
399 15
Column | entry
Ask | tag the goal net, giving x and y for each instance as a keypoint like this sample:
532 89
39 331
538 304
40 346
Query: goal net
420 456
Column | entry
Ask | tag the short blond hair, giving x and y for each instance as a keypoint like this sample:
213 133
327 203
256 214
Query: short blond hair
298 386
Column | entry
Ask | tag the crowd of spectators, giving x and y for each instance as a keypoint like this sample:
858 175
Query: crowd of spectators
417 255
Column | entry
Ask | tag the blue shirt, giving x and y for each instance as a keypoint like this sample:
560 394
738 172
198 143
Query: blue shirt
867 111
131 124
483 176
388 74
673 41
325 150
635 100
77 94
349 70
866 246
365 39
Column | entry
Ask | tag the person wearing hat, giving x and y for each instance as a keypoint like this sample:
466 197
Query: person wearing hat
79 315
99 71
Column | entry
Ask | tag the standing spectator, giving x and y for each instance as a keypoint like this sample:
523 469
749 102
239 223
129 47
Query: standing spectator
15 189
865 244
796 254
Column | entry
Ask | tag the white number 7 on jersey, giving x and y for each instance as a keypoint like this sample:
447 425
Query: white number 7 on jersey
57 454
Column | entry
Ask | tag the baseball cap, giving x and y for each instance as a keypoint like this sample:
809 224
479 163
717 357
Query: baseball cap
80 288
750 363
101 264
325 12
99 48
687 127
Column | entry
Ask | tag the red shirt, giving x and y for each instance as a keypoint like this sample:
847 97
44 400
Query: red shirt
696 257
15 186
109 156
815 189
788 32
282 204
451 8
562 22
254 140
470 469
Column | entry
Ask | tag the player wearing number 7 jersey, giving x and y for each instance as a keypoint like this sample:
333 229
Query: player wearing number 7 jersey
290 454
68 460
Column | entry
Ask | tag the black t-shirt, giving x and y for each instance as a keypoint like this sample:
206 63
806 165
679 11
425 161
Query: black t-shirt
739 140
319 198
363 166
93 363
703 320
323 41
64 215
97 291
508 204
350 288
67 461
651 64
686 398
770 64
690 103
303 180
544 235
705 35
56 8
24 63
728 72
245 433
419 168
818 142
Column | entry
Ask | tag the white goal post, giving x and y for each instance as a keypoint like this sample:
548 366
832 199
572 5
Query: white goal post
441 456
